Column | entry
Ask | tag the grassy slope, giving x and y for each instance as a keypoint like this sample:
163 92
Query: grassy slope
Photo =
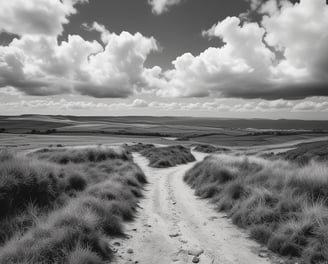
164 157
283 205
307 152
88 197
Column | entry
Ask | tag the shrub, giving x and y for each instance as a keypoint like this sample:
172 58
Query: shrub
77 182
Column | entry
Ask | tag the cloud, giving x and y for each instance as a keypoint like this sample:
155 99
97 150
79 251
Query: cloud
274 59
247 65
139 103
66 104
217 105
38 65
300 31
161 6
276 104
45 17
311 106
240 65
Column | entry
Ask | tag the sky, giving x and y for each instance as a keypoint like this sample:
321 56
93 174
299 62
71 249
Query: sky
239 59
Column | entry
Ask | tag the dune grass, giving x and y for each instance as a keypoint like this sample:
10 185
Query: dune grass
86 204
139 147
205 148
164 157
65 156
30 187
284 206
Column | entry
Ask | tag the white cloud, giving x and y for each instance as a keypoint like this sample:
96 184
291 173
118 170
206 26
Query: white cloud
300 31
38 65
275 104
237 68
66 104
311 106
216 105
161 6
139 103
247 66
35 17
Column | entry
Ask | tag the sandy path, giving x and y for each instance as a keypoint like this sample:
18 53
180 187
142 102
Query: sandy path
173 221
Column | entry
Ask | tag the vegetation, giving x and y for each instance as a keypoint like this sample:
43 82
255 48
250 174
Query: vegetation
164 157
65 156
47 131
55 212
282 204
304 153
139 147
209 148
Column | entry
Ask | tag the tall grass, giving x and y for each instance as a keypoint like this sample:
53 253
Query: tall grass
65 156
27 183
163 157
78 229
284 206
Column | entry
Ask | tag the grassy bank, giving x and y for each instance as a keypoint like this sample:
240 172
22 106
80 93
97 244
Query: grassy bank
304 153
204 148
65 212
164 157
282 204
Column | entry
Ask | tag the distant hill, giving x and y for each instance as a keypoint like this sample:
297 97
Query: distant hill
59 121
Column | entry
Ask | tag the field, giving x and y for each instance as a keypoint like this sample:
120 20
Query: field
32 131
124 190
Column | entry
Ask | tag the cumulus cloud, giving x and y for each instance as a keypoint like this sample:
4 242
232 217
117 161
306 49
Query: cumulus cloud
36 17
311 106
274 59
241 64
161 6
38 65
247 65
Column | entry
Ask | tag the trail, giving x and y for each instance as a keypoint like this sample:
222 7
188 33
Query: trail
174 226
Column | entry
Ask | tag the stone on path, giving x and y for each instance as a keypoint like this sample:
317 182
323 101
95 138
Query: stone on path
195 252
195 260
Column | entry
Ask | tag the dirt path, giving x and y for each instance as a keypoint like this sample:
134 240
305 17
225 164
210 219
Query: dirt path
174 226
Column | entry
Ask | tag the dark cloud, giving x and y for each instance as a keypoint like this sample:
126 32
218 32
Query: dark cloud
272 92
103 91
